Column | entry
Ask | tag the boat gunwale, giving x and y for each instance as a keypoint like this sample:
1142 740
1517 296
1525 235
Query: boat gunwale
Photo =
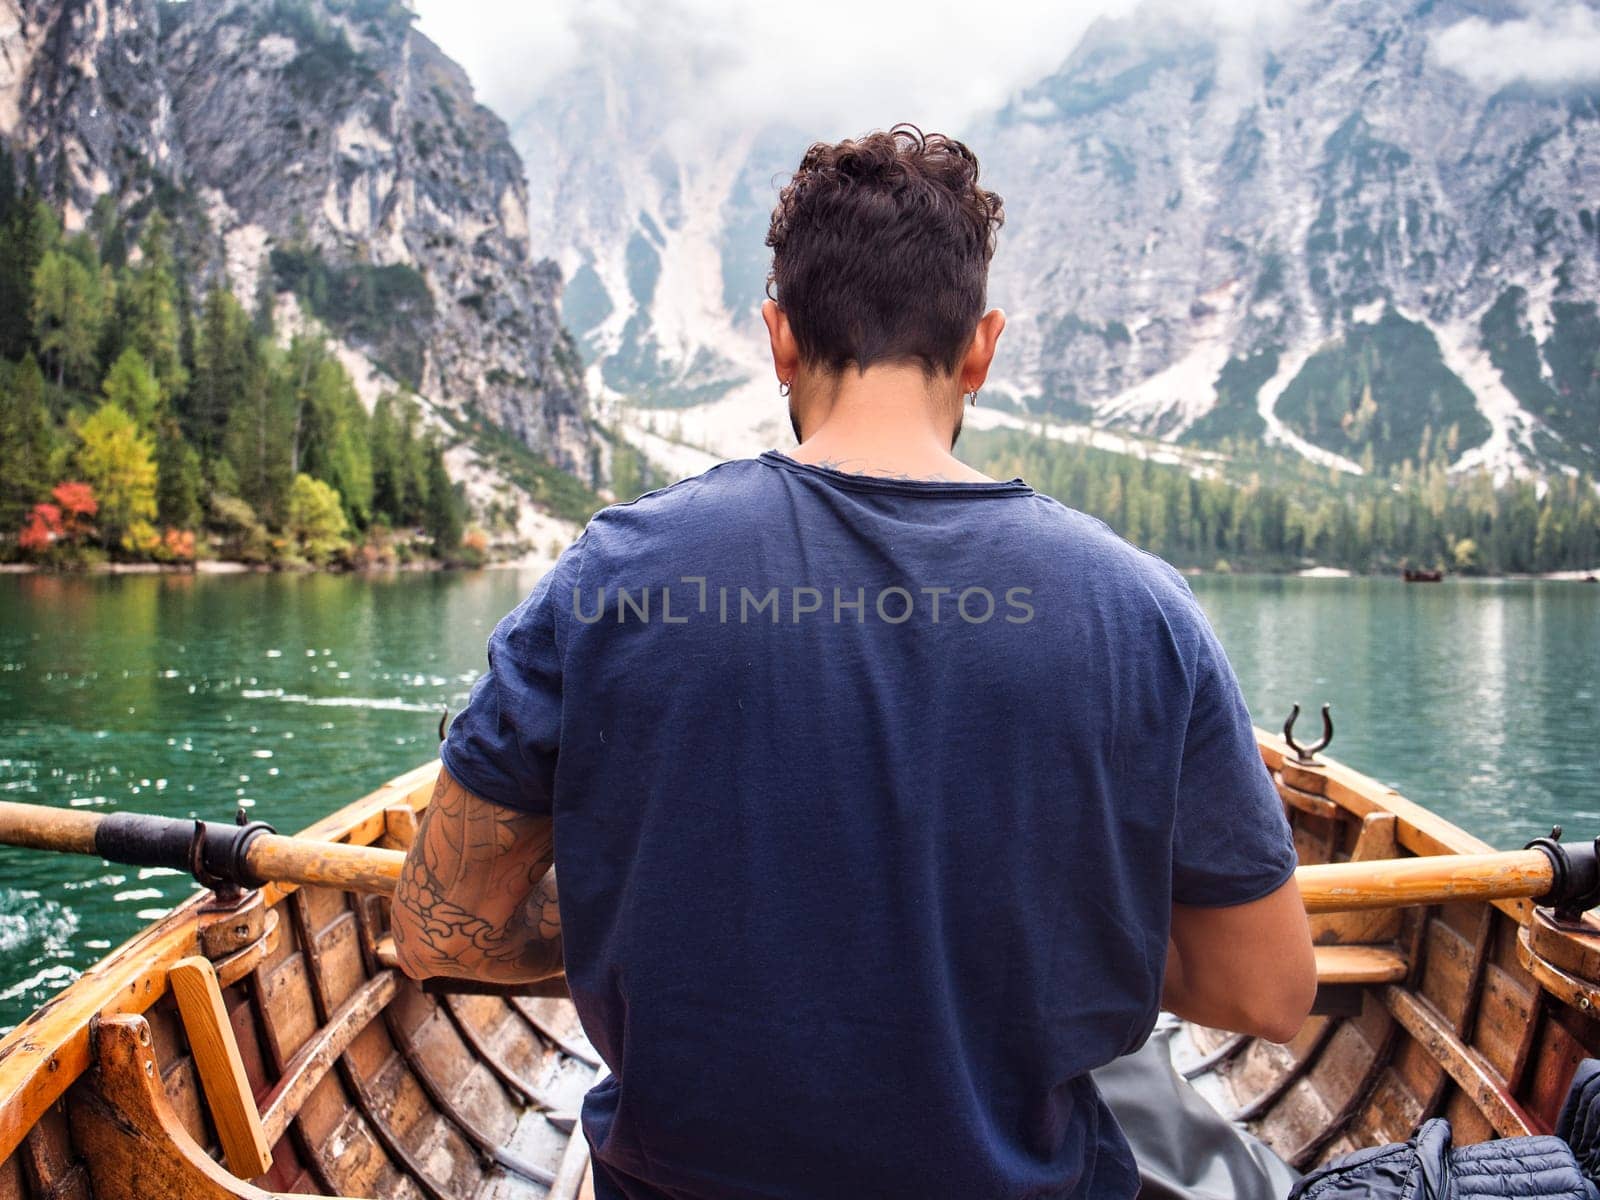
49 1050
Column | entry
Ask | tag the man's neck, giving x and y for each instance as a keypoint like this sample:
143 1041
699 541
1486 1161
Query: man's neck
891 422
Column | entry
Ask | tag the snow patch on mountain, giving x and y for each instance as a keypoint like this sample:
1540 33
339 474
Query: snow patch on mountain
1510 445
1173 398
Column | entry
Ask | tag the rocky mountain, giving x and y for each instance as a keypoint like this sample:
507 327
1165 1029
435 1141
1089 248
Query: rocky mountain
1329 235
323 148
1334 231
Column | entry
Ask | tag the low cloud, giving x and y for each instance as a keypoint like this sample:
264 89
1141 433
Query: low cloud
1554 46
838 67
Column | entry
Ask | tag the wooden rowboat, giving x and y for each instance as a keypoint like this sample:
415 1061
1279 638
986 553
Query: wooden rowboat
264 1043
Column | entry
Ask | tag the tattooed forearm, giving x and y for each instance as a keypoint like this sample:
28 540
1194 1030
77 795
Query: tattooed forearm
477 895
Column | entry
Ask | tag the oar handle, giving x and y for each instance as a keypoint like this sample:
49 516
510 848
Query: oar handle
217 854
1433 879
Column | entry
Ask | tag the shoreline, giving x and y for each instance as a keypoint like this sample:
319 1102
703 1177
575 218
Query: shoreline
532 560
228 566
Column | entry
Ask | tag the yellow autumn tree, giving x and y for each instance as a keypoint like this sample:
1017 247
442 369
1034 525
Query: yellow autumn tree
118 462
316 518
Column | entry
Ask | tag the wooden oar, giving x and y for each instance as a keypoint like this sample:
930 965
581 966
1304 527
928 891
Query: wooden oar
241 855
259 856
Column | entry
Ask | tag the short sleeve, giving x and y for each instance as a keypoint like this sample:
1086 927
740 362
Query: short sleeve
503 745
1231 843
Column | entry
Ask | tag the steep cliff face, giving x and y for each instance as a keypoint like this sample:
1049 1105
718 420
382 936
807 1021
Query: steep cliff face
81 87
325 147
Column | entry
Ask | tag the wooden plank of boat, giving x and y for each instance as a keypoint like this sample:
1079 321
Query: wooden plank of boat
365 1085
1364 965
220 1066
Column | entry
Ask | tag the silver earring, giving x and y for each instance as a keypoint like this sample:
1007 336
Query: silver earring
783 388
972 397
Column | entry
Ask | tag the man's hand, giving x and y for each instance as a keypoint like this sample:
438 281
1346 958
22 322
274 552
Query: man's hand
477 896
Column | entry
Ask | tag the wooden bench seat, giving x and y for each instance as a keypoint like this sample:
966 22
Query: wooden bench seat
1360 965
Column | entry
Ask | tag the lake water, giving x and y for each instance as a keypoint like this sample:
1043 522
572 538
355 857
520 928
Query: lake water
189 695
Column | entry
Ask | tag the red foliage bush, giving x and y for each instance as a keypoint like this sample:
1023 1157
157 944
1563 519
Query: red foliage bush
78 505
179 544
68 520
43 527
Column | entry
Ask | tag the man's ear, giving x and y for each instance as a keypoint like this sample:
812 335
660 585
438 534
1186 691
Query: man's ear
975 367
785 351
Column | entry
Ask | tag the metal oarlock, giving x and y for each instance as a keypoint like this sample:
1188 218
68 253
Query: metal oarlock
1575 887
1307 755
214 853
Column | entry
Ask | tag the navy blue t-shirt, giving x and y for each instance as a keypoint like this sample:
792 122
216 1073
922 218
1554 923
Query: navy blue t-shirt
871 801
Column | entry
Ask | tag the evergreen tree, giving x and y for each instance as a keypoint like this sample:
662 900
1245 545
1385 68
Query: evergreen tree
105 224
305 354
333 438
445 507
399 461
25 441
67 315
10 188
178 478
25 239
266 299
132 387
226 360
147 308
259 441
388 502
414 459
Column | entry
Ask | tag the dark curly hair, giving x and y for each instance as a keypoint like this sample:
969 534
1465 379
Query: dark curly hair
881 249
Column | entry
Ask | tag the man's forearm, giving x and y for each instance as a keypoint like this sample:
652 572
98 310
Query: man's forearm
477 897
1182 1000
457 944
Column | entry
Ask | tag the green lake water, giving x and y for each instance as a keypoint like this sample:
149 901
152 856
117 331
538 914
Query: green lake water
190 695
